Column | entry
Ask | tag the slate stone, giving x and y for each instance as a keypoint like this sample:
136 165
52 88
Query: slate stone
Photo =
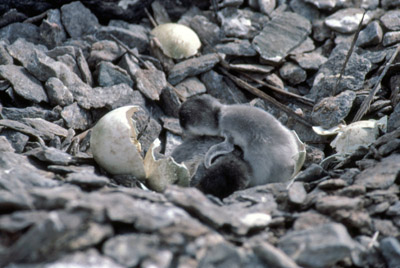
83 66
58 93
47 129
330 111
172 124
235 23
55 197
109 75
391 20
310 219
305 9
345 20
190 86
382 175
28 31
310 61
324 4
29 112
312 173
87 258
390 248
16 139
87 180
391 38
24 84
371 35
104 50
20 220
119 248
287 29
54 235
222 255
192 67
51 29
329 204
208 32
170 102
389 147
321 246
75 117
272 256
78 24
292 73
222 89
14 201
352 79
5 57
332 184
236 48
385 227
5 145
306 46
394 122
51 155
296 193
135 37
150 82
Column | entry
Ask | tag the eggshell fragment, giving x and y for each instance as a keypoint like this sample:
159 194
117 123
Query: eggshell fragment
114 145
177 41
164 171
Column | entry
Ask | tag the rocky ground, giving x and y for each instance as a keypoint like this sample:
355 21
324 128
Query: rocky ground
62 70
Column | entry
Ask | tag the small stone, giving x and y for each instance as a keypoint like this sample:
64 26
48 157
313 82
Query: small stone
385 227
394 209
192 67
170 102
321 246
51 30
24 84
87 180
325 4
221 254
79 23
306 46
391 20
389 147
16 139
305 9
236 48
292 73
310 61
5 57
329 204
218 87
51 155
352 191
332 184
208 32
151 82
27 31
312 173
48 129
109 75
58 93
330 111
371 35
273 257
190 86
235 23
297 194
390 248
394 122
134 37
391 38
346 20
382 175
288 29
104 50
310 219
75 117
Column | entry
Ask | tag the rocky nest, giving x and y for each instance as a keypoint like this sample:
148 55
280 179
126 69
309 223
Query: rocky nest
308 62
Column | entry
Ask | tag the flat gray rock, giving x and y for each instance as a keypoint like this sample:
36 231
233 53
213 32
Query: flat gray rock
391 38
371 35
292 73
58 93
296 193
345 20
382 175
286 29
51 29
208 32
321 246
330 111
330 204
75 117
310 61
273 257
237 48
394 121
47 128
390 248
150 82
81 23
190 86
136 37
109 75
28 31
391 20
24 84
192 67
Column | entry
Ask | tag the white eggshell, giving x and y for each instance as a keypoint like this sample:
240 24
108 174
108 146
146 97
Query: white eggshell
177 41
164 171
114 145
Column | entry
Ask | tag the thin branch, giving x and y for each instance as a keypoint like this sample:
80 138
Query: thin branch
152 20
367 102
348 54
243 84
301 99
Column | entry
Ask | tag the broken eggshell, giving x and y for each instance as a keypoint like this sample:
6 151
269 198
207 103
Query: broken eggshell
114 143
177 41
352 136
161 172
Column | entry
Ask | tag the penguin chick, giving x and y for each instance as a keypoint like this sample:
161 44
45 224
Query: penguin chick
268 147
227 174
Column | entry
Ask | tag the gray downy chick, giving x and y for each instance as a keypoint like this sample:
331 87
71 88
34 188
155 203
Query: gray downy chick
268 147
